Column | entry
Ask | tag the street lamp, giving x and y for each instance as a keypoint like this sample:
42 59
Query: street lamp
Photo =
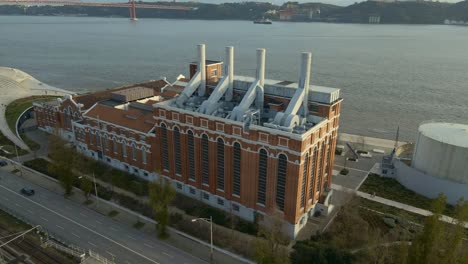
95 190
209 220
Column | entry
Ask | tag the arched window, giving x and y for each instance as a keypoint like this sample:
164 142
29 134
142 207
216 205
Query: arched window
320 169
91 137
304 180
165 150
281 181
70 117
220 164
77 116
124 148
191 155
143 155
98 141
262 176
134 153
106 142
116 145
237 169
204 160
178 161
312 173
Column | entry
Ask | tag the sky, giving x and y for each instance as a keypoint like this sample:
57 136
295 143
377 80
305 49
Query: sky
279 2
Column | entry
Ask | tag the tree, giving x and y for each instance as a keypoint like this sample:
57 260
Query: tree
86 186
62 162
269 245
161 195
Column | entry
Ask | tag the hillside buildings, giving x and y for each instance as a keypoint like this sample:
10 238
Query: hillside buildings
249 146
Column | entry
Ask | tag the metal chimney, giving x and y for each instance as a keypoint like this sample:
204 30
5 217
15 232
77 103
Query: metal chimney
202 69
304 80
229 71
261 66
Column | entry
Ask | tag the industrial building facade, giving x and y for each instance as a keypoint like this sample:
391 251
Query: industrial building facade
249 146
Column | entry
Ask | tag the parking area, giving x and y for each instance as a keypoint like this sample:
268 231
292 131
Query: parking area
359 169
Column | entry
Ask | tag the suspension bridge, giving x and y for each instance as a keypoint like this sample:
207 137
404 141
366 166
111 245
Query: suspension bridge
131 5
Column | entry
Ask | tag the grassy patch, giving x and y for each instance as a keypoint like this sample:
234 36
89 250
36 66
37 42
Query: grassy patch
391 189
88 202
15 171
113 213
139 225
8 148
16 108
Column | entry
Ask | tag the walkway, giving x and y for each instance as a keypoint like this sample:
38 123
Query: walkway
392 203
14 85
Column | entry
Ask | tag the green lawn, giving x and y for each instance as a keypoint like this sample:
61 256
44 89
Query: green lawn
14 109
391 189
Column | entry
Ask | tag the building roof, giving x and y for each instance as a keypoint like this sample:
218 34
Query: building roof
90 99
133 118
448 133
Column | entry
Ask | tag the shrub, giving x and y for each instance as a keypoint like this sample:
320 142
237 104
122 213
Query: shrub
344 171
113 213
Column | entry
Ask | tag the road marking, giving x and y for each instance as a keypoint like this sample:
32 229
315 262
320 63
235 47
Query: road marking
167 254
98 222
150 246
113 228
83 226
83 215
92 244
131 237
75 235
45 219
110 253
60 227
18 205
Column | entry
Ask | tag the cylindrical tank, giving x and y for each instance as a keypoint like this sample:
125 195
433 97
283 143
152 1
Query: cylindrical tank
442 151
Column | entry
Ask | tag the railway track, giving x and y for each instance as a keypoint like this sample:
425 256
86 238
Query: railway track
29 249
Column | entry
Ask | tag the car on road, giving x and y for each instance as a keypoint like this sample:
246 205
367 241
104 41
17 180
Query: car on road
27 191
3 163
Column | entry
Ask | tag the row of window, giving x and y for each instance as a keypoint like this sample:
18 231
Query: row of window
123 144
206 196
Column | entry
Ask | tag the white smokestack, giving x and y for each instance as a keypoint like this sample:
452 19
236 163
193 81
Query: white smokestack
229 71
261 66
202 69
304 79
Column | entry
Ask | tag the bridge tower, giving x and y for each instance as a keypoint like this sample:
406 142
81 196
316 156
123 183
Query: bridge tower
132 9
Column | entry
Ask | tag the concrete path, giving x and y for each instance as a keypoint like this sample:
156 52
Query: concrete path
392 203
14 85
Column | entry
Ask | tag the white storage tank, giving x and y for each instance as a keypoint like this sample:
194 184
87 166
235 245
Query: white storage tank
442 151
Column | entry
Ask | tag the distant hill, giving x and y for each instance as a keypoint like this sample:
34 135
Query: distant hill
407 12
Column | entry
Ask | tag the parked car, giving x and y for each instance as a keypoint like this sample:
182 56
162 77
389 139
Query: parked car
3 163
27 191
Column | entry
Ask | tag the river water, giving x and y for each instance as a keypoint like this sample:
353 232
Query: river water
390 75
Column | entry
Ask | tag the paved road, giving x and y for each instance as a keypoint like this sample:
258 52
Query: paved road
86 228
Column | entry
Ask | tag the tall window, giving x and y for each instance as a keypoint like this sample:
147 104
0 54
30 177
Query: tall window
116 146
328 154
165 150
262 176
312 173
134 153
237 169
106 142
304 179
191 155
281 181
178 162
320 172
220 163
124 148
98 140
204 160
143 155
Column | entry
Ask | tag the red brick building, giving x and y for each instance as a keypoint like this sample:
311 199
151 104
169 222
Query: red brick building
250 146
